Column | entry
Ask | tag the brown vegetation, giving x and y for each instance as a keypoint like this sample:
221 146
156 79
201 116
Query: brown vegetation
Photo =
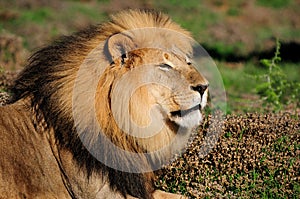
256 153
12 52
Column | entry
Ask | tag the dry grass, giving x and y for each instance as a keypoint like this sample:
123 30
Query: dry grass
257 156
5 82
12 52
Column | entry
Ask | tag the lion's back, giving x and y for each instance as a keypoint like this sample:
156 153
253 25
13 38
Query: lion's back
28 167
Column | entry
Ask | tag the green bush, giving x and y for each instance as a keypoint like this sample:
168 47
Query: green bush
276 90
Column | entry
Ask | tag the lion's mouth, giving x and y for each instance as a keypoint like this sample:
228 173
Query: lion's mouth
182 113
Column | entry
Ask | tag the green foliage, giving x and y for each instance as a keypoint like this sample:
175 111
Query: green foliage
274 3
233 11
36 16
227 135
276 90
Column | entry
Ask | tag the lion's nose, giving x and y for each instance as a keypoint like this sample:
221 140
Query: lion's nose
200 88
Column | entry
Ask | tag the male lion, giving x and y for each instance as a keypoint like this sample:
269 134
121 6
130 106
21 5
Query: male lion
93 114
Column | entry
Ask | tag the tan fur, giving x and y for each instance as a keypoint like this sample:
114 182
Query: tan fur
64 94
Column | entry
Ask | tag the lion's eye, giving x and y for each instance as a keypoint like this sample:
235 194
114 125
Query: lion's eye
165 66
189 63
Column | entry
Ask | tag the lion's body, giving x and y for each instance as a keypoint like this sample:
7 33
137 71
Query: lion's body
43 151
28 167
32 168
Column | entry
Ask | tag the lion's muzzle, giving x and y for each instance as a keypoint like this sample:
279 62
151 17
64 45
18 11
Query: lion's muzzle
192 117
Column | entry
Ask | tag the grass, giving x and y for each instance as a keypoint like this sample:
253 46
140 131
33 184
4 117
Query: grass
192 15
251 160
89 11
50 22
240 84
274 3
198 17
201 18
36 16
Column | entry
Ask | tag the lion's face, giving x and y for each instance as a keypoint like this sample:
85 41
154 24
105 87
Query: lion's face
150 90
155 93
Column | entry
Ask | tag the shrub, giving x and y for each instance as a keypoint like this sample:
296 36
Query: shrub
276 91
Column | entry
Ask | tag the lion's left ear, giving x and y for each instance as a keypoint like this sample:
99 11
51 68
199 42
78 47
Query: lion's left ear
118 46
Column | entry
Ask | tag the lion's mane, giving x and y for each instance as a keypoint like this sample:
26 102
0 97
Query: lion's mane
47 83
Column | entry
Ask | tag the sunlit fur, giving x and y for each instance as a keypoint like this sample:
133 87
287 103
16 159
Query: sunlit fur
41 153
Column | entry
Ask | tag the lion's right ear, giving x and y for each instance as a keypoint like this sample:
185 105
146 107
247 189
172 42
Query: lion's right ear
118 45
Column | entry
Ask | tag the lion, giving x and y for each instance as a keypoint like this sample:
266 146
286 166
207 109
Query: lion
80 120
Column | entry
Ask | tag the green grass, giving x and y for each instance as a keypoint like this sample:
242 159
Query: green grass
192 15
38 16
49 22
87 10
196 16
239 81
273 3
233 11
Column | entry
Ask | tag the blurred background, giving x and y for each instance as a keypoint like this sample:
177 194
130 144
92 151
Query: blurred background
236 33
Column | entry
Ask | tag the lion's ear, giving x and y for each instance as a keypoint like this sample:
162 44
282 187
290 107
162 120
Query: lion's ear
118 46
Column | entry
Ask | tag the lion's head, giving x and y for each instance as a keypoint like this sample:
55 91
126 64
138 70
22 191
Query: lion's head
145 91
163 92
128 85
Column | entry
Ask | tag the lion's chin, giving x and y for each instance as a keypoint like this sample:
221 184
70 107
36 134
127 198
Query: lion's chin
189 120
